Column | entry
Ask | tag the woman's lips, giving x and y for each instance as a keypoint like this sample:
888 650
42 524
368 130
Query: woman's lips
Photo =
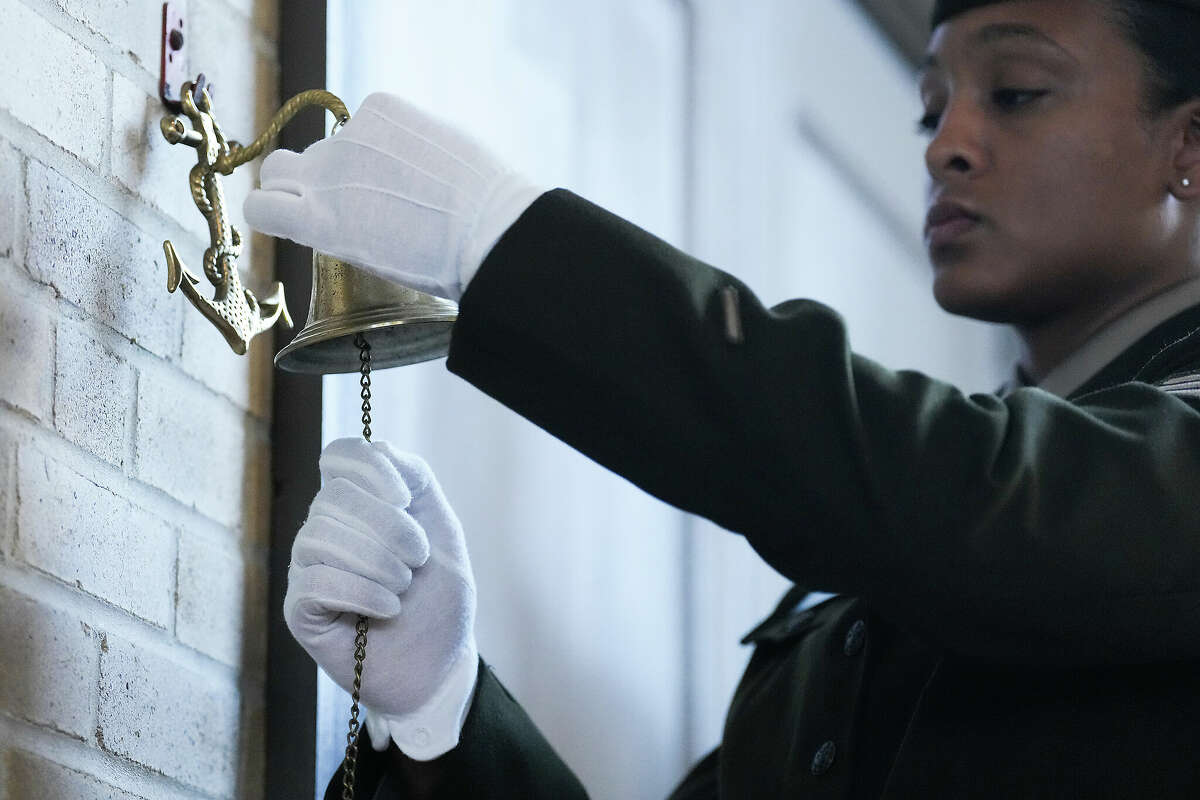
949 230
947 220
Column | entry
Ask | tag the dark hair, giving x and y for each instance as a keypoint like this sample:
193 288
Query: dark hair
1166 36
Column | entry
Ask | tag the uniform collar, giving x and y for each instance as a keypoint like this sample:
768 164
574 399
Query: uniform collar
1134 337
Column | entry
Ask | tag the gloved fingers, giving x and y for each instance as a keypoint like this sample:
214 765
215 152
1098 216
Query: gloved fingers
277 214
356 508
281 171
388 103
401 178
414 470
423 138
317 595
429 506
326 541
398 114
365 465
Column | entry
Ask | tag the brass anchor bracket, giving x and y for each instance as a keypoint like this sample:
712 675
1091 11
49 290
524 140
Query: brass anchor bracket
236 312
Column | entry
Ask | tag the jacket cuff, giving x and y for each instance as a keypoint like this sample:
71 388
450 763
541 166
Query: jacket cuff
508 200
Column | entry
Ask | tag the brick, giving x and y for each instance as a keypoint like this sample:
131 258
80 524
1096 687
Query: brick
246 380
26 355
167 717
93 391
210 601
129 25
149 165
48 667
10 195
7 453
51 82
197 447
100 261
30 776
88 536
245 83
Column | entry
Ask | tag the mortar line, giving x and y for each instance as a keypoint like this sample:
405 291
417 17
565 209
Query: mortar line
109 619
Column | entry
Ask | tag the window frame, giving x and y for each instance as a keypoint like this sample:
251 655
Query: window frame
291 688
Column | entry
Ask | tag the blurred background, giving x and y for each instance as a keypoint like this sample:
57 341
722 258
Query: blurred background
773 139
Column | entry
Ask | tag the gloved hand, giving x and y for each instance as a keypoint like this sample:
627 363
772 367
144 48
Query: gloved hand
397 192
381 540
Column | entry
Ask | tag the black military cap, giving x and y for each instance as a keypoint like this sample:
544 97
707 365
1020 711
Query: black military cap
944 9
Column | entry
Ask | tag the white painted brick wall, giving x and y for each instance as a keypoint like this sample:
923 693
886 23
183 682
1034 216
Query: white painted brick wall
167 717
10 190
129 25
26 355
196 445
7 454
93 394
49 664
209 607
235 72
141 158
51 83
245 380
30 776
134 478
100 261
87 535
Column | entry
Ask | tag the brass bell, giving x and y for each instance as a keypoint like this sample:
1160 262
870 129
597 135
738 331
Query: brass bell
404 326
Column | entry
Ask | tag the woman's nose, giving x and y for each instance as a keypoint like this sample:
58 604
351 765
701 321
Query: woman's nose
957 146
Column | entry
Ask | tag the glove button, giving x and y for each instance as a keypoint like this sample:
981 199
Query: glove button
420 737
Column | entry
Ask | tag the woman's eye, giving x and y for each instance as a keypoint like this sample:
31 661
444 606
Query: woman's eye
928 123
1005 99
1009 99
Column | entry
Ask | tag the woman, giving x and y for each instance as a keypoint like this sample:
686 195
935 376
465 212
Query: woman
1019 575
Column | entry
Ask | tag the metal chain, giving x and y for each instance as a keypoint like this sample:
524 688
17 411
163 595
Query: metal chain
364 358
350 764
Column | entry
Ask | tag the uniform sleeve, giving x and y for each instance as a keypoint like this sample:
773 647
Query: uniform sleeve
1022 529
703 781
501 756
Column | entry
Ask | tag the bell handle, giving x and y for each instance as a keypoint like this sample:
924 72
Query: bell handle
239 154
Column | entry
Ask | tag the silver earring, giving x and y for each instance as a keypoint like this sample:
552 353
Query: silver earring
1186 182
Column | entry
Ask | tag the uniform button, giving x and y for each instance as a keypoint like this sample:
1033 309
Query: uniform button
823 759
420 737
855 638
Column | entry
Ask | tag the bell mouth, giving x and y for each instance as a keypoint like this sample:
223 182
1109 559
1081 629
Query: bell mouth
328 347
403 326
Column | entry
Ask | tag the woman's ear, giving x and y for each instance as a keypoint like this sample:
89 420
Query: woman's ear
1185 173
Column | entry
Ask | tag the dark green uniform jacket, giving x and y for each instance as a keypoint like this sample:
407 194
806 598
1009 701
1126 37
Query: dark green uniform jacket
1020 576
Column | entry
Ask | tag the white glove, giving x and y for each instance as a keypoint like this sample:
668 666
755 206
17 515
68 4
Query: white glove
397 192
381 540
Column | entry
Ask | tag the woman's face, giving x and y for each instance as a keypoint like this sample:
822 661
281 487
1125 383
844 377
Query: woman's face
1033 108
